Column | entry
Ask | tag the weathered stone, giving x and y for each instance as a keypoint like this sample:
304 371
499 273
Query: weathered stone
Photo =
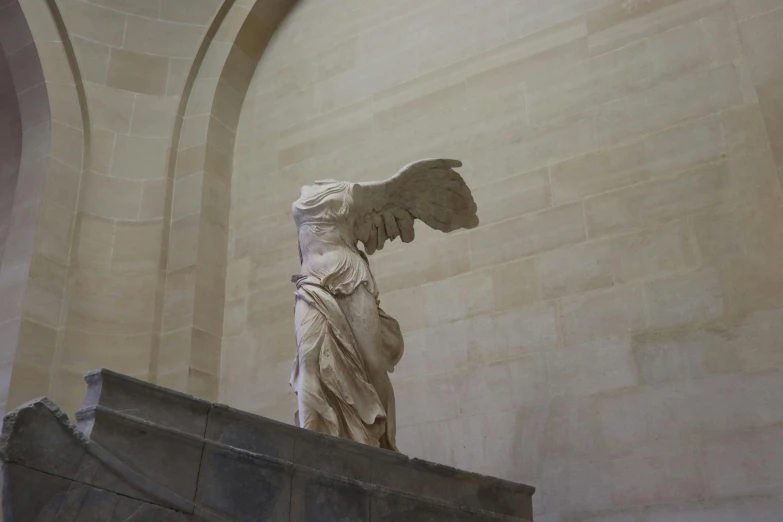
251 433
39 436
144 401
30 495
167 457
243 487
139 470
447 484
316 497
388 506
324 453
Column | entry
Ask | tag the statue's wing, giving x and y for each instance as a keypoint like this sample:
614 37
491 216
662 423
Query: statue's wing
429 190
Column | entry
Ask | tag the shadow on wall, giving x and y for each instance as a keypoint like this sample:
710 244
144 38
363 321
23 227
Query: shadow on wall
10 146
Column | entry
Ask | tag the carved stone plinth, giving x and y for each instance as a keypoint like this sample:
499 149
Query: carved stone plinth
144 453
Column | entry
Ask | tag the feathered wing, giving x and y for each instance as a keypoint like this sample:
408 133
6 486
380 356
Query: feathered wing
429 190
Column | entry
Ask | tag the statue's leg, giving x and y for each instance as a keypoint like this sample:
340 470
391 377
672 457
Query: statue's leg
361 310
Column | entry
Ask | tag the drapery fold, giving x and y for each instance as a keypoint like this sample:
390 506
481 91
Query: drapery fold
331 379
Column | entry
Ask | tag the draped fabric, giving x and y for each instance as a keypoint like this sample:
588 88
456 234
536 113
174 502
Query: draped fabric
327 244
331 380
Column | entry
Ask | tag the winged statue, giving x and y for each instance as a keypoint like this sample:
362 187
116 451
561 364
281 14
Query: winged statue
346 344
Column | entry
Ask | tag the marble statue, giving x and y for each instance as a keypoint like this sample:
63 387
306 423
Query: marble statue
346 344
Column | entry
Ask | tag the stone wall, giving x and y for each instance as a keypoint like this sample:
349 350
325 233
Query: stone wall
611 333
120 239
10 156
10 147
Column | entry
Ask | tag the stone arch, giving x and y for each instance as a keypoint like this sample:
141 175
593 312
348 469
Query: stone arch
54 149
232 49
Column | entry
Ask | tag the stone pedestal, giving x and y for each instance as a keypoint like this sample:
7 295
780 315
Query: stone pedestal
143 453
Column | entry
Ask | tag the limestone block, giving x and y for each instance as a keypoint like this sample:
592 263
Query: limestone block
619 23
325 133
514 196
572 90
593 315
685 146
527 235
146 8
467 30
447 300
658 473
200 12
162 38
667 104
183 242
168 458
178 300
421 478
61 184
750 8
110 109
592 367
322 497
233 428
136 72
761 509
43 300
433 350
32 495
744 463
243 487
33 107
502 386
153 199
139 157
136 246
533 146
665 248
38 436
760 37
510 334
421 264
599 172
576 270
153 115
660 200
558 46
515 284
679 355
145 401
93 59
687 298
66 143
94 22
702 44
109 197
388 507
112 304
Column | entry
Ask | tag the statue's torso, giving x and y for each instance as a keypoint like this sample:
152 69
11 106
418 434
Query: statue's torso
326 240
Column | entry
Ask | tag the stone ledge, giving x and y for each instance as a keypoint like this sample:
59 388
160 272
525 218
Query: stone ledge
233 484
246 431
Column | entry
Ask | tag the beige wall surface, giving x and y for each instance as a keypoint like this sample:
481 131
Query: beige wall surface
612 332
117 238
